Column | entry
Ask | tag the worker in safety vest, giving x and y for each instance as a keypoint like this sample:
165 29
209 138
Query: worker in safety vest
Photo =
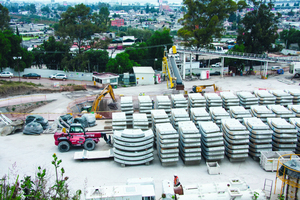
176 181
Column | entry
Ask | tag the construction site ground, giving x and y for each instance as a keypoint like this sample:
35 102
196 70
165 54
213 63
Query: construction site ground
22 154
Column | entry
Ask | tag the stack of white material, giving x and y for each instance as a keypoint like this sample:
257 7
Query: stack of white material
167 144
212 100
127 107
212 142
264 97
283 98
236 139
260 136
229 99
158 117
140 121
133 147
296 95
198 115
296 123
261 112
163 102
145 106
281 111
295 109
196 100
239 113
177 115
247 99
179 101
284 136
190 143
217 114
118 121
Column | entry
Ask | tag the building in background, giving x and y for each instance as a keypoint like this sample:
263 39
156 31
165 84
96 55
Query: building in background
117 22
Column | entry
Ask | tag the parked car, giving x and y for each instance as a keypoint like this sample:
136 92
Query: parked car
58 76
32 75
6 75
216 65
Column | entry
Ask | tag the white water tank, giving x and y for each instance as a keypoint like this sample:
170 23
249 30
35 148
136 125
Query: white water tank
204 75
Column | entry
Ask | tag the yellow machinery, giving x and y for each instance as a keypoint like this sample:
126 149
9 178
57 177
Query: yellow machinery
107 90
166 70
200 88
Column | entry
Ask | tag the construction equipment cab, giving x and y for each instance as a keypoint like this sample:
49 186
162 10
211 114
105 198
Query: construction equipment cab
200 88
77 136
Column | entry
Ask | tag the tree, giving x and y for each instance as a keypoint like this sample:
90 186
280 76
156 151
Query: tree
5 48
75 62
290 36
147 8
76 23
139 53
32 9
120 64
159 38
140 34
53 53
232 17
4 18
203 20
46 9
102 20
97 60
259 29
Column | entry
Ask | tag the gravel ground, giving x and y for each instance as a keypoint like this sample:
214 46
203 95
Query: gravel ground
22 154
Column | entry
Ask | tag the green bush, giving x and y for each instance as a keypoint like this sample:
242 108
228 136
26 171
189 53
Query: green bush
37 187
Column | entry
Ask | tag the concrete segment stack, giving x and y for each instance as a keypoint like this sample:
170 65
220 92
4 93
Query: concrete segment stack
189 142
145 106
264 97
179 101
212 142
140 121
295 109
283 98
167 144
236 140
163 102
247 99
239 113
177 115
133 147
158 117
196 100
119 121
261 112
296 123
212 100
296 95
281 111
260 136
218 113
198 115
284 136
127 107
229 99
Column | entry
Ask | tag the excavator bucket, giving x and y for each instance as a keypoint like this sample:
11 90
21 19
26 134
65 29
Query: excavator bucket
113 106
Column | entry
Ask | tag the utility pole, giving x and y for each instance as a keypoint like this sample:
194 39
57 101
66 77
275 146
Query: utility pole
18 58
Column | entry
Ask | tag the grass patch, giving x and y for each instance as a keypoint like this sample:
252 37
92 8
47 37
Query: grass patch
7 86
28 38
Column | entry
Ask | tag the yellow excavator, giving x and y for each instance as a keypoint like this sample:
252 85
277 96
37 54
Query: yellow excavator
94 108
200 88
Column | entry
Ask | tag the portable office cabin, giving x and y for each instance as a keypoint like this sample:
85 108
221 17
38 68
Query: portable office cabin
144 75
105 78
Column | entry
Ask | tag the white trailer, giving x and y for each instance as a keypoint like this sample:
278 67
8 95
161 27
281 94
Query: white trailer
136 189
295 68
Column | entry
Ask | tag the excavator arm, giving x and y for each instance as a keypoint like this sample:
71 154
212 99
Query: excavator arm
107 90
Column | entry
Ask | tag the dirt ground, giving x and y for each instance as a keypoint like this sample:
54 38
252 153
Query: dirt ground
22 154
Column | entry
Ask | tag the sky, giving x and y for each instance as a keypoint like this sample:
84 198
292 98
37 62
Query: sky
96 1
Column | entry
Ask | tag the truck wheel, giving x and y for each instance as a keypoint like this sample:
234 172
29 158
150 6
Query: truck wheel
63 146
89 145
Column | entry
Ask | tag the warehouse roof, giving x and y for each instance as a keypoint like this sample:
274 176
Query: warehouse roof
143 70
